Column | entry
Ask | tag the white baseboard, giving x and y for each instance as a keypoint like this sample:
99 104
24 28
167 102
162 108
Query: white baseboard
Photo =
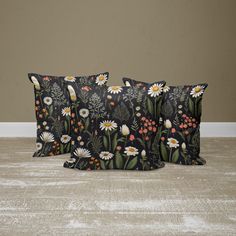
28 129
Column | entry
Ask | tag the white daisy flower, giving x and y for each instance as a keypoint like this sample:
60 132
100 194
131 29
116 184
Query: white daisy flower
108 125
35 82
101 79
47 100
65 138
106 155
138 114
72 93
166 89
173 143
82 153
197 91
131 151
39 146
69 78
114 89
138 108
155 90
84 112
47 137
65 111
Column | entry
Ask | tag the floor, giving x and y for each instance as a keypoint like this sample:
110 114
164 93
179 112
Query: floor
40 197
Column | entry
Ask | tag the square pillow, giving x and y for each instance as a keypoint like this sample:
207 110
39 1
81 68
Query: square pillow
115 128
181 114
52 110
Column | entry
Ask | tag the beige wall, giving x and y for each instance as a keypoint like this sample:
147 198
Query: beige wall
183 42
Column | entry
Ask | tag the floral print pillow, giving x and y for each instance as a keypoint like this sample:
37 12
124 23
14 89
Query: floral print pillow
181 114
115 127
52 109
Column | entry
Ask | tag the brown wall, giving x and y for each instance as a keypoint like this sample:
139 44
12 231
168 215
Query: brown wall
183 42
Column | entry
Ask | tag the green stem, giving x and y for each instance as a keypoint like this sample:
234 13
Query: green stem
109 140
126 163
155 108
170 155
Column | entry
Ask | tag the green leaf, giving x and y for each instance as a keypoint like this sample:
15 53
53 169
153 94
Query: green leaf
149 106
86 125
164 154
119 161
191 106
111 164
121 112
68 147
62 148
105 142
141 142
175 156
102 164
199 108
114 142
65 125
131 165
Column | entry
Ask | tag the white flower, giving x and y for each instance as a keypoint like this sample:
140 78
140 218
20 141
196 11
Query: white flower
108 125
180 112
106 155
45 123
72 93
131 151
39 146
47 127
173 143
66 111
84 112
197 91
114 89
138 114
180 106
143 153
79 138
35 82
166 89
124 130
81 143
138 108
183 146
47 137
168 124
82 153
65 138
109 97
101 79
69 78
155 90
47 100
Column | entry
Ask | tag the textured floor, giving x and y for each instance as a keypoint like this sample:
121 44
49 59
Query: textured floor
40 197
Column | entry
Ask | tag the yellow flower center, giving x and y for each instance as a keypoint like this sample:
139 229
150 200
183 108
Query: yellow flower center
115 88
67 110
70 77
101 78
155 88
197 89
173 141
107 124
131 149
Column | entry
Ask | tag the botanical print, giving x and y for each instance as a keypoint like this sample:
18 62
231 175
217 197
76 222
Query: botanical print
181 116
53 112
114 129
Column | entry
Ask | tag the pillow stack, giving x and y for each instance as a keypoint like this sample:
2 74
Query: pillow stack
133 127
